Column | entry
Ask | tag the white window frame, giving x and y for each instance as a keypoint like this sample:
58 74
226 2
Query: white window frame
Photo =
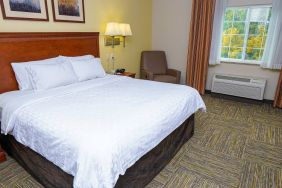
247 27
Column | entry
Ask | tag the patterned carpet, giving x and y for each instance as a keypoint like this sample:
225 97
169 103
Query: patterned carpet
235 145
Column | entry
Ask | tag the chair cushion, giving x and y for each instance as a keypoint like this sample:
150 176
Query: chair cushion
154 61
165 78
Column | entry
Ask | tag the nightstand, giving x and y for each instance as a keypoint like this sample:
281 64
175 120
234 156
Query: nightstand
2 155
129 74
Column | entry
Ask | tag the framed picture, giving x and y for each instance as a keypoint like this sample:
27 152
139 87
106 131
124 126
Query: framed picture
68 11
35 10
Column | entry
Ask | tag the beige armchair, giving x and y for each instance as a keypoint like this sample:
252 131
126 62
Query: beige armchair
154 67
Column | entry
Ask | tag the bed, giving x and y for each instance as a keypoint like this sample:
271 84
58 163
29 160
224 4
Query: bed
58 164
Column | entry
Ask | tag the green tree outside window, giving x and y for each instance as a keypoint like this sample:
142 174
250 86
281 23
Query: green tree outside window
245 33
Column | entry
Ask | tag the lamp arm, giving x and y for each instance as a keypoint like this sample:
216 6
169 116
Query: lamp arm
113 41
124 41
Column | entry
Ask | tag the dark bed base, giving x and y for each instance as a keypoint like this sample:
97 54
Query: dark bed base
138 175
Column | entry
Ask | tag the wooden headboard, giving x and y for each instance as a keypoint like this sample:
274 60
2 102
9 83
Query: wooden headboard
21 47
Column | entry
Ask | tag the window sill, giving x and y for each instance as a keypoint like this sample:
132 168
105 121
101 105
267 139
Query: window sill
246 62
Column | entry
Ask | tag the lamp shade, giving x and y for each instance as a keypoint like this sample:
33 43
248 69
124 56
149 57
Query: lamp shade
112 29
125 29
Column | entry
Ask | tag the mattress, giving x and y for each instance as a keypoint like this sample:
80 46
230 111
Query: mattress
97 129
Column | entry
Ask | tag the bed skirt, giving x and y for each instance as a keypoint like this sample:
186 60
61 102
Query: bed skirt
138 175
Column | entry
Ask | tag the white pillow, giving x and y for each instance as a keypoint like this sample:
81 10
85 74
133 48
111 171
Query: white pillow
78 58
87 69
46 76
22 75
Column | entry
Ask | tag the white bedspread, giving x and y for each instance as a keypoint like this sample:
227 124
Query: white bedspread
97 129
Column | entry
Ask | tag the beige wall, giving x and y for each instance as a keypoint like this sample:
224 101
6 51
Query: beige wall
248 2
170 33
98 13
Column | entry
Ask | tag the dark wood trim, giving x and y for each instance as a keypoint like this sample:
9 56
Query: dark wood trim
278 94
239 99
129 74
20 18
208 91
68 21
30 35
267 101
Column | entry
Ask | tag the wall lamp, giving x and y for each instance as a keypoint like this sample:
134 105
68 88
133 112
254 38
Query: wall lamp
125 31
113 32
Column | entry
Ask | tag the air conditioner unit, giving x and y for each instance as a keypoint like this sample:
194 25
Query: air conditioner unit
240 86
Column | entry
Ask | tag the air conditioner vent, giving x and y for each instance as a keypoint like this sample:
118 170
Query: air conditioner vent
233 78
239 86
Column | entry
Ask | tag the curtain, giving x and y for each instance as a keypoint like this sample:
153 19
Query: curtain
272 58
220 8
199 43
278 97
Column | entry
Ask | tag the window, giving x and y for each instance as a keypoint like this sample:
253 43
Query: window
244 34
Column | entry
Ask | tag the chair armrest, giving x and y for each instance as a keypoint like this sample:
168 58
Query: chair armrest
175 73
146 75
